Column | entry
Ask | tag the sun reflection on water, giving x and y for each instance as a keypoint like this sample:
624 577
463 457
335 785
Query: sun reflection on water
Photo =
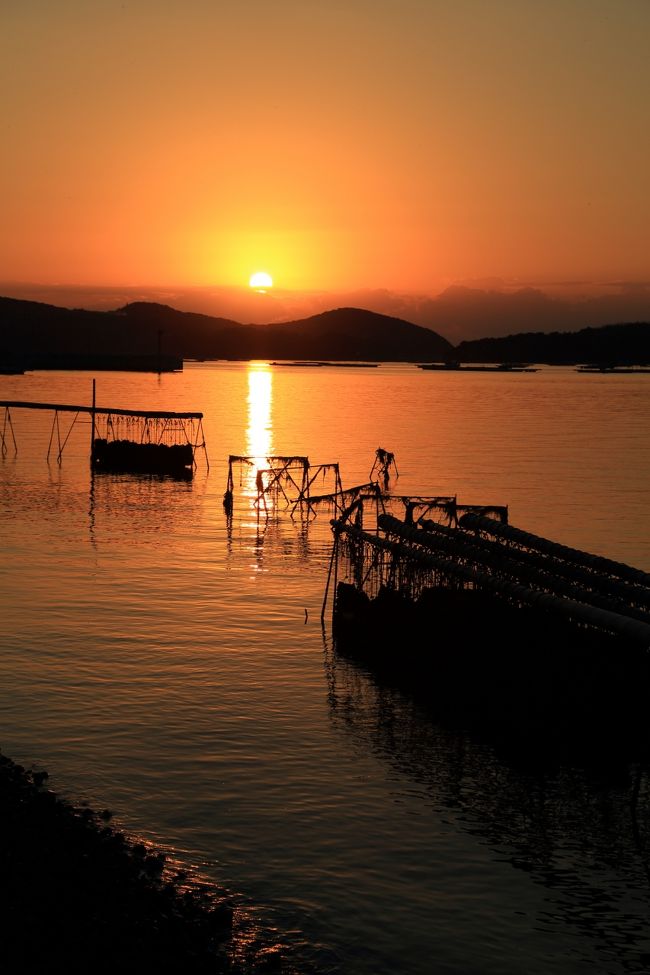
259 440
260 398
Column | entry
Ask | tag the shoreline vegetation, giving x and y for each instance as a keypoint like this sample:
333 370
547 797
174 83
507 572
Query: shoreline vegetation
78 894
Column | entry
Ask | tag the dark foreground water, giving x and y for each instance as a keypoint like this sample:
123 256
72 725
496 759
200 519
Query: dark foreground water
162 664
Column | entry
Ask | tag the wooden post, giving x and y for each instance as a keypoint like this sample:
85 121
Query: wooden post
92 427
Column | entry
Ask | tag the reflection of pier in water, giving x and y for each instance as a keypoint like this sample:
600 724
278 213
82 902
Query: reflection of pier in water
582 836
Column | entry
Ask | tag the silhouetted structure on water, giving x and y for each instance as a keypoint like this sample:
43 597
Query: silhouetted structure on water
130 441
494 625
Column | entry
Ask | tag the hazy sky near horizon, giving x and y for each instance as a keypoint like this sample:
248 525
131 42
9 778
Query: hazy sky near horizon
400 144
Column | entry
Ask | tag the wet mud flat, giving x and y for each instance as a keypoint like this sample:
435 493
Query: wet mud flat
77 894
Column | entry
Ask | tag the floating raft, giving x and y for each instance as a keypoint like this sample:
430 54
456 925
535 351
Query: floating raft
456 367
141 458
497 625
615 370
323 362
146 443
136 441
522 569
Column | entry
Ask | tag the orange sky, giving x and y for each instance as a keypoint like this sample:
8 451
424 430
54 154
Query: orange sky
402 144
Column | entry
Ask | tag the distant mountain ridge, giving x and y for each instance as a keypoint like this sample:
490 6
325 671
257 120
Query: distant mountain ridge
488 308
30 328
32 331
624 344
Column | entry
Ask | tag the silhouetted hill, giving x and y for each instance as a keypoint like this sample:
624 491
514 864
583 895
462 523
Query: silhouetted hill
349 333
626 344
491 308
29 329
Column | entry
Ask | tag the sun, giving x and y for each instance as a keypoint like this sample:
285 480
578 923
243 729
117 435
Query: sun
261 281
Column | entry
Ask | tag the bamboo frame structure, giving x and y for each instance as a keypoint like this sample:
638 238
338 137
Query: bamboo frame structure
160 427
7 427
480 552
383 464
277 475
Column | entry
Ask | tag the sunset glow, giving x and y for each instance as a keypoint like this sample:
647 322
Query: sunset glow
324 466
409 147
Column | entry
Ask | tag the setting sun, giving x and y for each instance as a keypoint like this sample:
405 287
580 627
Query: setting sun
261 280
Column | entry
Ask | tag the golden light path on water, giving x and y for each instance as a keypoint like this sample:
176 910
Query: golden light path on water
259 439
157 659
260 401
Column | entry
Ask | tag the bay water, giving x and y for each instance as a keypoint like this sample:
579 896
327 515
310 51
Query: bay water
171 665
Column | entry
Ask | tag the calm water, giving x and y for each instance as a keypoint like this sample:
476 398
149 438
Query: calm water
159 664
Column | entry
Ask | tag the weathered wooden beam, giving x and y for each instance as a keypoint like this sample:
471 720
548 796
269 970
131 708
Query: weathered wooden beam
66 408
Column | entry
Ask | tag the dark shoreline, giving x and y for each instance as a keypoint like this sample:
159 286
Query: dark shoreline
78 894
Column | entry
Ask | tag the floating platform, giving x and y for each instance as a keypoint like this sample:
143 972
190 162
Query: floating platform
128 456
136 441
341 365
615 370
457 367
496 627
